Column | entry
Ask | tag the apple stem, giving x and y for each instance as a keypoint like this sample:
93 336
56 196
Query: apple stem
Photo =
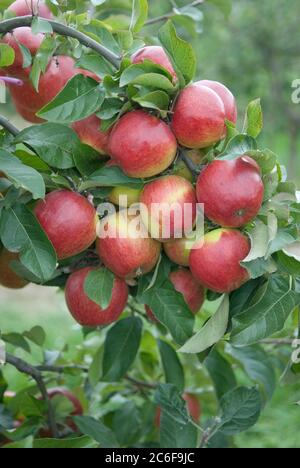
194 168
5 123
63 30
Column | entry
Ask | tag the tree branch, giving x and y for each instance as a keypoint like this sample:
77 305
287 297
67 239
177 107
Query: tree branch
171 15
195 170
5 123
33 372
141 383
63 30
278 341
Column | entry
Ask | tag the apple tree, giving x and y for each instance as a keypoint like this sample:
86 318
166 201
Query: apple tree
118 118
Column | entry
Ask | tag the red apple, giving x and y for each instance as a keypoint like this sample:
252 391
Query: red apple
226 96
155 54
151 315
8 277
193 406
216 262
199 117
178 250
84 310
142 145
118 194
125 247
69 221
90 134
21 36
168 207
30 7
232 191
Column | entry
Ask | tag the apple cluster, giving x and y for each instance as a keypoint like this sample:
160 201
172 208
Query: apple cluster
146 147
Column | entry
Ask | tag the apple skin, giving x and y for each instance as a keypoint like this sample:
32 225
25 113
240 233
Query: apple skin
24 37
8 278
199 117
132 194
216 264
69 221
24 8
226 96
178 250
142 145
127 254
232 191
168 190
86 312
193 406
155 54
88 131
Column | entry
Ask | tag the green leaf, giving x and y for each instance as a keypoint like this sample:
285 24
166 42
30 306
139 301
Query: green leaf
78 442
121 346
95 369
221 373
37 335
132 74
173 370
254 119
127 424
169 399
241 409
225 6
17 340
158 100
21 232
100 32
110 177
99 286
259 267
95 64
22 176
268 314
238 146
55 144
266 159
96 430
110 108
81 97
139 15
7 55
259 236
212 332
87 160
174 435
258 366
40 25
26 55
181 53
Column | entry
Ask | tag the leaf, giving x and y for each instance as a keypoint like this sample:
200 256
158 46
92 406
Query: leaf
21 232
169 399
78 442
132 73
267 315
96 430
121 346
110 177
99 31
254 119
87 160
212 332
259 236
239 299
26 55
241 409
127 424
221 373
40 25
258 366
173 370
81 97
99 286
174 435
95 64
238 146
293 250
266 159
259 267
181 53
110 108
139 15
95 369
158 100
22 176
36 335
55 144
225 6
17 340
7 55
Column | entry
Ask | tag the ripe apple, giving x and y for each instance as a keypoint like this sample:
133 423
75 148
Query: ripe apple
118 194
125 247
168 207
21 36
29 7
84 310
157 55
232 191
8 277
193 407
69 221
178 250
226 96
199 117
142 145
216 263
151 315
88 130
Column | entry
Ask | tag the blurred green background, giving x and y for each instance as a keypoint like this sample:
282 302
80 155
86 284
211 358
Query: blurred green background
255 52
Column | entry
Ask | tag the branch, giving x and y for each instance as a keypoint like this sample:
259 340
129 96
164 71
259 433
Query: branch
278 341
63 30
194 168
61 369
173 13
5 123
141 383
33 372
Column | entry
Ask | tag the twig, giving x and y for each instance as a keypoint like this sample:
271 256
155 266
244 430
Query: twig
141 383
61 369
194 168
5 123
278 341
21 21
171 15
33 372
209 433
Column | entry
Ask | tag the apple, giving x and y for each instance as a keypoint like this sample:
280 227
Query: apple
30 7
232 191
21 36
216 261
178 250
88 130
193 407
142 145
151 315
168 207
226 96
155 54
69 220
199 117
125 247
86 312
8 277
118 194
